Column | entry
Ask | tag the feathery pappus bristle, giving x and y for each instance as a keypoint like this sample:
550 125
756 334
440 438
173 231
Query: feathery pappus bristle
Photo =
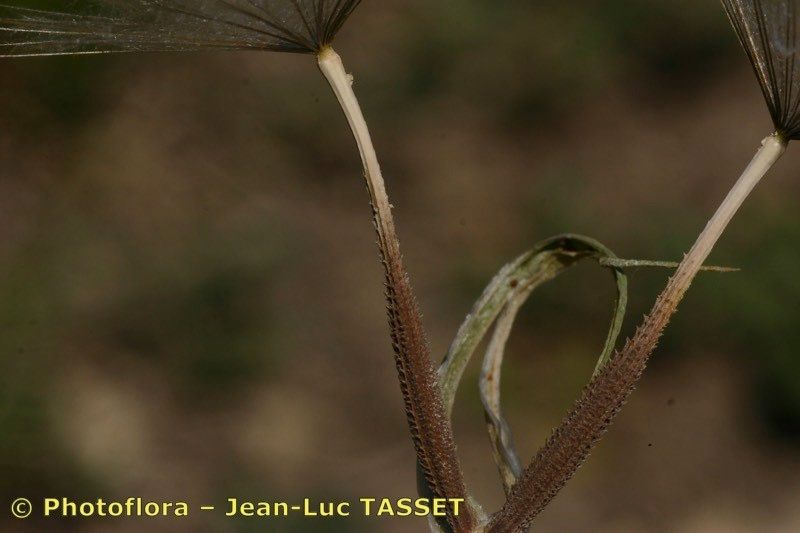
767 30
107 26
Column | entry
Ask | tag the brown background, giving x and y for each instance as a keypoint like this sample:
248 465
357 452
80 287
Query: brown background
190 301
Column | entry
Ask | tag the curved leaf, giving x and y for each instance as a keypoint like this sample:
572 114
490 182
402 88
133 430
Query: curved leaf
541 264
507 291
503 449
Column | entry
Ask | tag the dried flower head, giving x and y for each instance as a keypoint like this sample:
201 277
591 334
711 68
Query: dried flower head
768 31
103 26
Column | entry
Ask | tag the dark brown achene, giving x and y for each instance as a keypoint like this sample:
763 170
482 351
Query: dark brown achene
429 425
602 399
768 31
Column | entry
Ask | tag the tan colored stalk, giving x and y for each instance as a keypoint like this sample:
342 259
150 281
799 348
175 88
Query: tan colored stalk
430 429
601 400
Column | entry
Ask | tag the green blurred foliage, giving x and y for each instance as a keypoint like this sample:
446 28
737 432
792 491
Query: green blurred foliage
189 231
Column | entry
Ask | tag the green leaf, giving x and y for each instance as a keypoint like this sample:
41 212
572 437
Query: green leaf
499 305
541 264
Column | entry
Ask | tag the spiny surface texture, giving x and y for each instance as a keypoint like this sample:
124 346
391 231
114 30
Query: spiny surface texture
430 428
571 443
102 26
767 30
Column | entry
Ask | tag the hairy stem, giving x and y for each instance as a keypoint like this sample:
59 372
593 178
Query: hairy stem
430 429
601 400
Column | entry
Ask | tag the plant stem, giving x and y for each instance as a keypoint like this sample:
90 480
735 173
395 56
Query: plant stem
772 148
342 84
430 429
601 400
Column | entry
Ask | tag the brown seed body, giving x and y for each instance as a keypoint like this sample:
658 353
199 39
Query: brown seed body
427 420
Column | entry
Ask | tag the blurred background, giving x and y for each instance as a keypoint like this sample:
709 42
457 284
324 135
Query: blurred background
191 305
